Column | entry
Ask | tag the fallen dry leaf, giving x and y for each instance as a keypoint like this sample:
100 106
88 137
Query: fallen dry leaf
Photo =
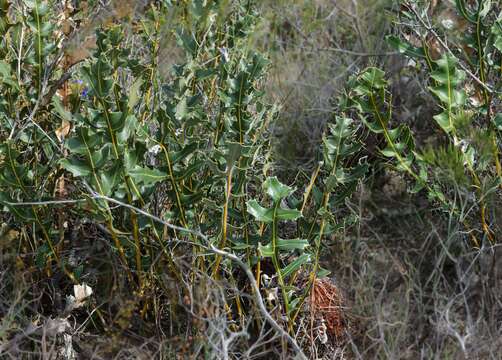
81 293
63 131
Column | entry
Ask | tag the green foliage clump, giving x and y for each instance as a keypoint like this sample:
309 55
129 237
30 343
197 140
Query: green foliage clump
174 168
464 79
154 160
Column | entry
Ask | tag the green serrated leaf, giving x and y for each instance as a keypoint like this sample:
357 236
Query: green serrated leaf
283 245
146 176
259 213
100 157
275 189
404 47
83 143
233 153
447 72
388 152
62 112
485 8
176 157
373 78
296 264
129 128
110 178
288 214
322 273
444 121
373 126
77 167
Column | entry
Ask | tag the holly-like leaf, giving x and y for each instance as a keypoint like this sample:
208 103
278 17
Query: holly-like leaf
404 47
447 80
77 167
110 178
275 189
260 213
485 8
444 121
288 214
369 80
296 264
146 175
283 245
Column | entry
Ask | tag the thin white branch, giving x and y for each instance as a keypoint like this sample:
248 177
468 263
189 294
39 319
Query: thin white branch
446 47
256 290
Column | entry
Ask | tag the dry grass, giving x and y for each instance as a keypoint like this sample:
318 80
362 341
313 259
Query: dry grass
414 289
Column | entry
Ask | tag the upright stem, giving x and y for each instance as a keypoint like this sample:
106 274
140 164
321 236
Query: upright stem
224 218
275 259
